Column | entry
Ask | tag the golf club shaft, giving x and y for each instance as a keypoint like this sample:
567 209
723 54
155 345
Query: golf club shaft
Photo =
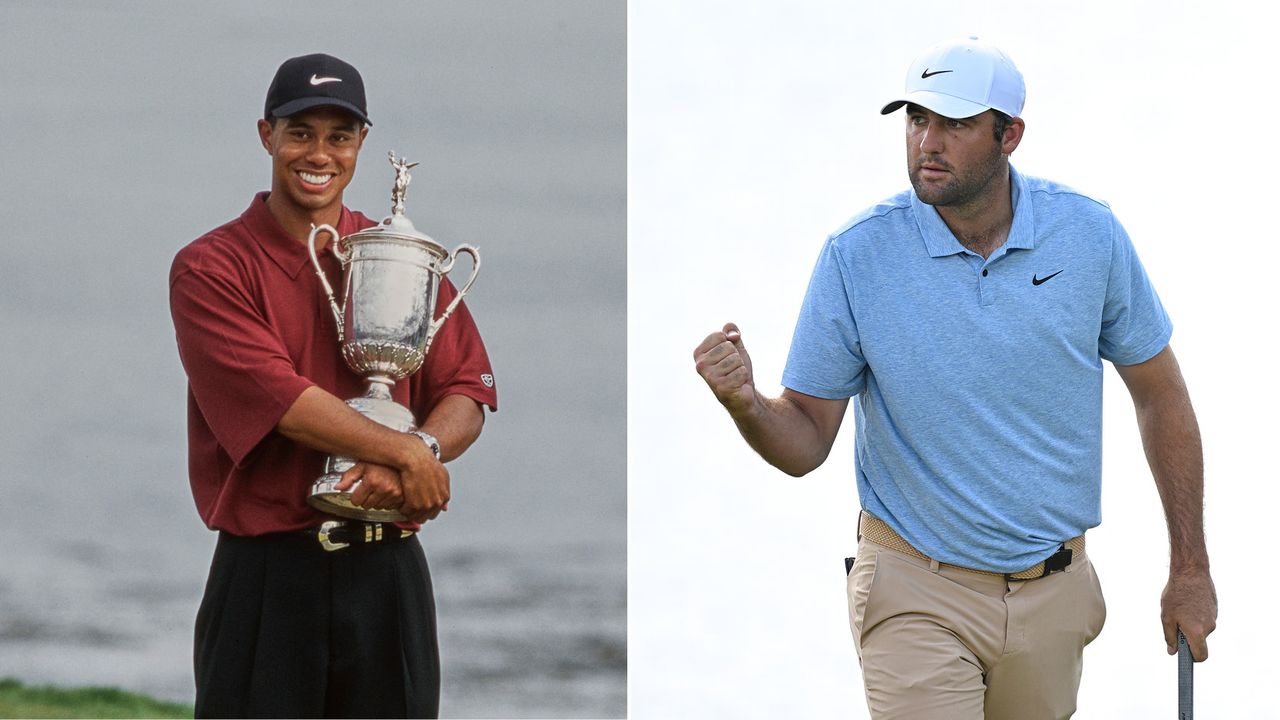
1184 678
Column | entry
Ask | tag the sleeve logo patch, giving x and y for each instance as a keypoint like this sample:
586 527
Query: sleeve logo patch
487 379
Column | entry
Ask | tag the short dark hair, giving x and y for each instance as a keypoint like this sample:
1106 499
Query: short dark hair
999 121
273 119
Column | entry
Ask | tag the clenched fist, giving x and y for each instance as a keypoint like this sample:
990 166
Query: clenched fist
722 361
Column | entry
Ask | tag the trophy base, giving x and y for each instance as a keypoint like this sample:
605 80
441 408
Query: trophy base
378 406
326 499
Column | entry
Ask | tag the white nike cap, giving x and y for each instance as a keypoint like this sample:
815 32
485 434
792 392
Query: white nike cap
962 78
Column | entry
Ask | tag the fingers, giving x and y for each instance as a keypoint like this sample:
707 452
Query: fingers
1189 602
360 497
364 495
350 477
426 492
722 361
1197 642
374 500
369 495
725 365
428 515
725 375
1197 633
1170 635
420 493
712 357
720 353
1199 645
422 515
730 334
379 488
711 341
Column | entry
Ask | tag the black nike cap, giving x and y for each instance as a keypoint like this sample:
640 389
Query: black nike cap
317 80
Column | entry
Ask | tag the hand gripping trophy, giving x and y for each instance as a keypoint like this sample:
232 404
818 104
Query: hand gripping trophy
385 323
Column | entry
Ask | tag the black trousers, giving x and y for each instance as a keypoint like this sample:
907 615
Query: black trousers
286 629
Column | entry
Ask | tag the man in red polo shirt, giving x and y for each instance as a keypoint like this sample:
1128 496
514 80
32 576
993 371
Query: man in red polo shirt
291 626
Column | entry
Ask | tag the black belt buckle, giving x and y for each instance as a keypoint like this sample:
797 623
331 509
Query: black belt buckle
1052 564
1057 561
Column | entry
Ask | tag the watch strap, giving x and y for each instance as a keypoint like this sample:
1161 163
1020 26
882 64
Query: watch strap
430 440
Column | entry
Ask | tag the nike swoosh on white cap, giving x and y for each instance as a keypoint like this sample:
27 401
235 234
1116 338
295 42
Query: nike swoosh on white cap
316 80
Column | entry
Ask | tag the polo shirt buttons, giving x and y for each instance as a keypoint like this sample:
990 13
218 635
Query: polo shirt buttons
986 292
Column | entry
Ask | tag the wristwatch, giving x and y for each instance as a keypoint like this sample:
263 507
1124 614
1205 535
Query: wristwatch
430 440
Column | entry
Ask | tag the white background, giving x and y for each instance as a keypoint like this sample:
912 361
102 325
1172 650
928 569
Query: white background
127 130
754 132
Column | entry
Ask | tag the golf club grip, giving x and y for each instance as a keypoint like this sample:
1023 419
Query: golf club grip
1184 678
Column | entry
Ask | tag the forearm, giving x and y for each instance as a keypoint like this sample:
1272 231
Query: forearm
321 421
455 422
785 434
1171 439
794 432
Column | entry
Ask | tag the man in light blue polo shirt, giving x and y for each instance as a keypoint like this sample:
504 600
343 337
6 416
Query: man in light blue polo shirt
970 317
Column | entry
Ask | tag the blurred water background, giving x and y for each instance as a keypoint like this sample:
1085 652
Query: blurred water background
126 131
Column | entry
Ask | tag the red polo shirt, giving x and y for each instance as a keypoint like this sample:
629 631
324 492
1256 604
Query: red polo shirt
254 330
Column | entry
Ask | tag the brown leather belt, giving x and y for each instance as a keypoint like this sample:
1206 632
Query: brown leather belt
879 532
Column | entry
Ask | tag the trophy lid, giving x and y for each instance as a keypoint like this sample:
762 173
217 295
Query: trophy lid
396 226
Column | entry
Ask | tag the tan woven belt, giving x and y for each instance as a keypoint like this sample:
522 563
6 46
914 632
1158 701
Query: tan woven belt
879 532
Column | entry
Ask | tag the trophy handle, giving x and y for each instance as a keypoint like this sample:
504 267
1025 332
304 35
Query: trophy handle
444 270
324 281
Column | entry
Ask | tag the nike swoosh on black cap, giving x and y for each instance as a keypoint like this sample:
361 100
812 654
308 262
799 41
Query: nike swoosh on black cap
292 90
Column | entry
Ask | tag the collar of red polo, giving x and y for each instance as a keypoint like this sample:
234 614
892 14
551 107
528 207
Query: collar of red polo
286 252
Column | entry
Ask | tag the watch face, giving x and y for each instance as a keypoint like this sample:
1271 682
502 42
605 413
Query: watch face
430 441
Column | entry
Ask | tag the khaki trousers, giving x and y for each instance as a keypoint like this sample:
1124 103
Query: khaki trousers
941 642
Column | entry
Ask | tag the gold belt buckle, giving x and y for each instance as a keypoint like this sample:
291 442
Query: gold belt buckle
323 535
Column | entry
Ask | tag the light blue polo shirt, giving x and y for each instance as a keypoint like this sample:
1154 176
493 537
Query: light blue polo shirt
979 382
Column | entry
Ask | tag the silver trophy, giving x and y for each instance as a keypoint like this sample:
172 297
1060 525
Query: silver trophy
385 323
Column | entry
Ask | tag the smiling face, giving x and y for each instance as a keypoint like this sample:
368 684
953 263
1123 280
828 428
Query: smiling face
956 162
313 157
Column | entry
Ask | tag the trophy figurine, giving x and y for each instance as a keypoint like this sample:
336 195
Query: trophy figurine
385 323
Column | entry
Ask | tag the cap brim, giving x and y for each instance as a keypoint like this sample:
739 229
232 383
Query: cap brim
297 106
945 105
